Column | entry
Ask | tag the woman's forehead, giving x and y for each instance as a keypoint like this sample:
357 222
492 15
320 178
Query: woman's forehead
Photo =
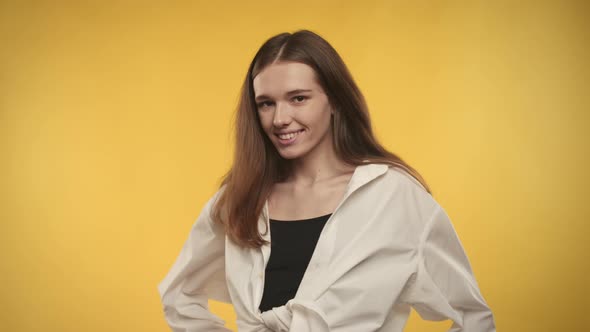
281 77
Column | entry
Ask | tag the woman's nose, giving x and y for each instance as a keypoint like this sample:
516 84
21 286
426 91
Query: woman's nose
282 116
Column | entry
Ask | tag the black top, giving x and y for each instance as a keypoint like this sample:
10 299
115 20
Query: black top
291 247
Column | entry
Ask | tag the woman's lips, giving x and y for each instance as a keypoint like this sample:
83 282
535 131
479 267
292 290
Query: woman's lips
290 138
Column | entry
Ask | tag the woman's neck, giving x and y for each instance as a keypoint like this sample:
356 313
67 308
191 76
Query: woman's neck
316 167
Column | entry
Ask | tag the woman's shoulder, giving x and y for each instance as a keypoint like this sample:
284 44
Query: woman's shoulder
404 190
404 178
395 177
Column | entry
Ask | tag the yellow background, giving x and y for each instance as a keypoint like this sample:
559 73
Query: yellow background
115 127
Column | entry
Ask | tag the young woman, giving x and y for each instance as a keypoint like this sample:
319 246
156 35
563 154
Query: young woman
316 227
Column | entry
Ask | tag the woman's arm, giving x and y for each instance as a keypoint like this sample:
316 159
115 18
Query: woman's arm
198 274
444 285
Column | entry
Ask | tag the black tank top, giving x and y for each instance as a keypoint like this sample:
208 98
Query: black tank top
292 245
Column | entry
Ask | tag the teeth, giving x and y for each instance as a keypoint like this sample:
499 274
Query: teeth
289 135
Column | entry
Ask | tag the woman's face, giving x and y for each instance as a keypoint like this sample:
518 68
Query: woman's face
294 110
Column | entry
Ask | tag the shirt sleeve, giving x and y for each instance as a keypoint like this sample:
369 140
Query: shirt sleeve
198 274
444 286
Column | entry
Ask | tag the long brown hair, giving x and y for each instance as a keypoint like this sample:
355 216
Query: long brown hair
257 165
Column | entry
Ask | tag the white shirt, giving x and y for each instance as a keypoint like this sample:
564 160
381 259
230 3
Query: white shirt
388 246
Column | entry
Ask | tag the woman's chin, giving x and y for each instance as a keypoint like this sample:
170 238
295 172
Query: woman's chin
289 153
289 156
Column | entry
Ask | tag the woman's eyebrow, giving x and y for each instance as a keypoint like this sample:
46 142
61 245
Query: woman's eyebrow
289 93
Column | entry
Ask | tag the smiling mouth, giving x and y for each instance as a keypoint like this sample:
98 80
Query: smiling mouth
289 136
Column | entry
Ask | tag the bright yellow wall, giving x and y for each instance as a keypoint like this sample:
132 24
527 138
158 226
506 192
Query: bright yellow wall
115 128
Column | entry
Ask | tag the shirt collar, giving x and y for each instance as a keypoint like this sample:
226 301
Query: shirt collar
364 174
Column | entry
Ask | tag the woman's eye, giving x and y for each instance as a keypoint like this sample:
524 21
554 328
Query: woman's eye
264 104
267 103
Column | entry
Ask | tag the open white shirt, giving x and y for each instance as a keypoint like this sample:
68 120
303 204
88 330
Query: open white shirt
387 247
